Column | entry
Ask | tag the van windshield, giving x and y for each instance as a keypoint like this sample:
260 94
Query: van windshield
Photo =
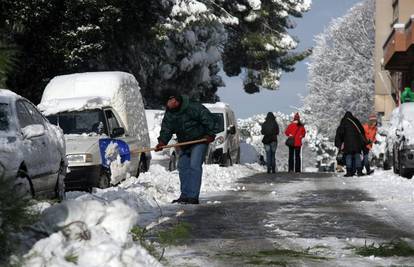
4 117
80 122
219 121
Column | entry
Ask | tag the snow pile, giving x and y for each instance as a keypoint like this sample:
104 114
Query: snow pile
88 233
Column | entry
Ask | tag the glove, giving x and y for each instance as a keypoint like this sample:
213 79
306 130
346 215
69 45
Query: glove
210 138
159 146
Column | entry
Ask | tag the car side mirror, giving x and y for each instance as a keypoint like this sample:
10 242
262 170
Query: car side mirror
32 131
117 132
231 129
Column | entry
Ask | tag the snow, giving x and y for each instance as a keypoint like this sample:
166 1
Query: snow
119 170
255 4
97 226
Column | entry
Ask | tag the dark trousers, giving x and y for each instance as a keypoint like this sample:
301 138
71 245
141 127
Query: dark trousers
294 158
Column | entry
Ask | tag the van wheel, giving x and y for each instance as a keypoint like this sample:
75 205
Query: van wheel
142 165
23 186
172 164
104 181
60 189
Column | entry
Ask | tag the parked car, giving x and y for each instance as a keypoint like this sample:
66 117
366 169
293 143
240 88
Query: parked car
400 140
103 119
225 150
32 151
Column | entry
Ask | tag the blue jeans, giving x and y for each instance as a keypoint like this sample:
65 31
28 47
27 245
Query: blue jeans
190 169
365 162
271 156
353 162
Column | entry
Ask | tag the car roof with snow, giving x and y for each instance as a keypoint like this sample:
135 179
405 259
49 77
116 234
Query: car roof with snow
218 107
89 84
407 110
7 94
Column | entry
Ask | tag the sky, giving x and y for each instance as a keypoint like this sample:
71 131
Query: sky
292 85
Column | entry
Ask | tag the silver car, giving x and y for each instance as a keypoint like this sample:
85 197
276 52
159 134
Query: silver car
32 151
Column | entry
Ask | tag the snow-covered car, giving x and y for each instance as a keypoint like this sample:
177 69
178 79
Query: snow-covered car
167 157
400 140
225 150
32 151
103 119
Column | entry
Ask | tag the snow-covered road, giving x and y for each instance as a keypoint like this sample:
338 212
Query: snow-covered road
245 217
299 220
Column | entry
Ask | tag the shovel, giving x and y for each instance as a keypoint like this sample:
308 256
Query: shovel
144 150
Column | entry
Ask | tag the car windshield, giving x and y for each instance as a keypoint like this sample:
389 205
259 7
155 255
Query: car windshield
80 122
4 117
219 121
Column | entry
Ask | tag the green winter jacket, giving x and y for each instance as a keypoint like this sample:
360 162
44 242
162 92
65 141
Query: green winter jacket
193 121
407 95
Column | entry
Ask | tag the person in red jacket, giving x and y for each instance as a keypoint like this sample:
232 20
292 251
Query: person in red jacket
297 131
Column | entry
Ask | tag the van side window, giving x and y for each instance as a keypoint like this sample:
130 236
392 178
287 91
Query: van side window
23 115
112 121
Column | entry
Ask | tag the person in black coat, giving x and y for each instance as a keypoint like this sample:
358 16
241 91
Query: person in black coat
270 130
350 139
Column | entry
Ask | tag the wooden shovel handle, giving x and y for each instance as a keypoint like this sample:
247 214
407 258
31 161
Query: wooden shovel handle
144 150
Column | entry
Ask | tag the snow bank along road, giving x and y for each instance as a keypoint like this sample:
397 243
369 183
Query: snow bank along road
310 219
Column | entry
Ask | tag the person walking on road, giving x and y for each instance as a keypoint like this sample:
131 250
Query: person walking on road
189 121
350 136
295 133
270 130
370 129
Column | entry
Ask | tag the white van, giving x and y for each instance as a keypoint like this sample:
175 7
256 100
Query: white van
225 150
103 119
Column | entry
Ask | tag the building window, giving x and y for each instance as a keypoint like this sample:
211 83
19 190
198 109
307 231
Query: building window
395 11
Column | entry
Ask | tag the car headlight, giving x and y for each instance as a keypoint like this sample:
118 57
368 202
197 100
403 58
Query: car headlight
79 158
219 140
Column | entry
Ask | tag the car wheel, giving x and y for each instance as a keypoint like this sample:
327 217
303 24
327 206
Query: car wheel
142 165
172 165
23 187
104 180
60 190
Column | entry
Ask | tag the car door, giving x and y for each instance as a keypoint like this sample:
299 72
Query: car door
114 122
34 149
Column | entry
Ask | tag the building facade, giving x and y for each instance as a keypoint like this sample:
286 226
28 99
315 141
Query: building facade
394 52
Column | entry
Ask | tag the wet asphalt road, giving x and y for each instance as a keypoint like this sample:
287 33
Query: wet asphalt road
269 223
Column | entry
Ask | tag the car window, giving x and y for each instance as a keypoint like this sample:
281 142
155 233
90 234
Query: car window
112 121
36 116
23 115
4 117
219 121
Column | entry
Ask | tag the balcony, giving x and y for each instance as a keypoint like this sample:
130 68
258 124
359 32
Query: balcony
399 47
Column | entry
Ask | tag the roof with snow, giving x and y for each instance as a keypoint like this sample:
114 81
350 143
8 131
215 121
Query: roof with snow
217 106
7 93
89 84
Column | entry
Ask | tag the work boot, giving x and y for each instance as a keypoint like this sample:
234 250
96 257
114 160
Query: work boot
180 200
370 172
359 172
192 201
273 170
